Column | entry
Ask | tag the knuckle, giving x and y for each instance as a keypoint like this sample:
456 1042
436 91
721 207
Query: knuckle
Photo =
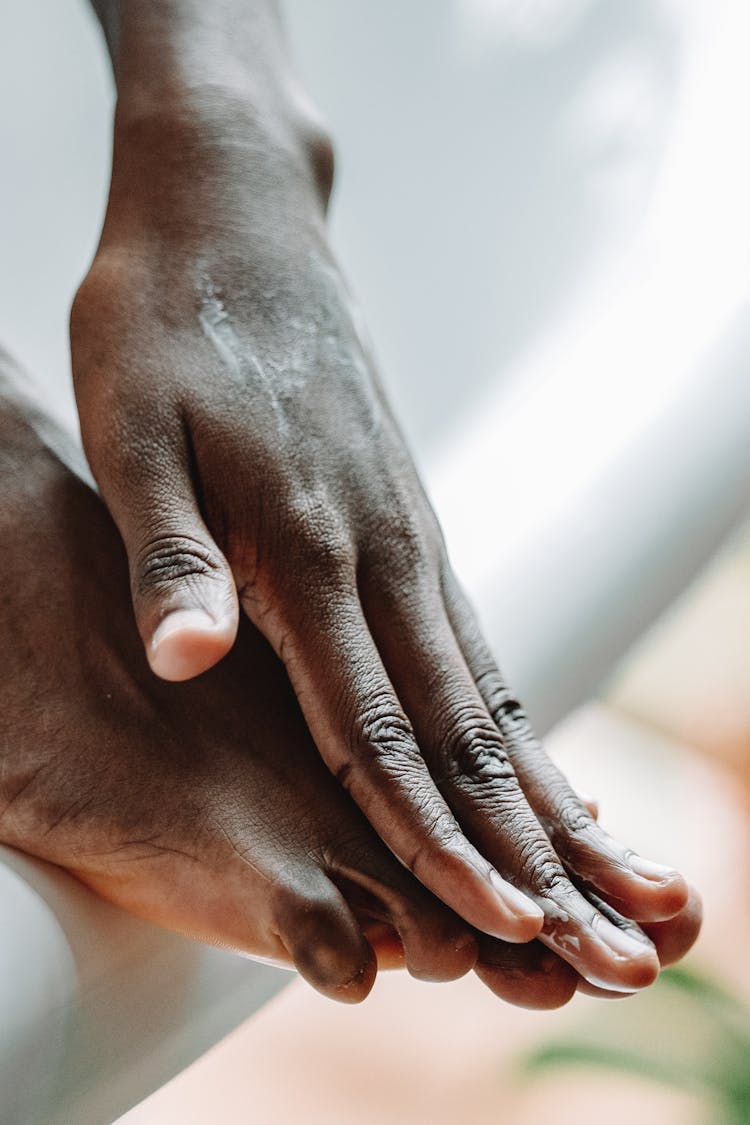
381 734
546 874
491 684
410 554
329 553
573 818
513 723
382 729
413 555
319 533
437 825
168 559
507 711
473 751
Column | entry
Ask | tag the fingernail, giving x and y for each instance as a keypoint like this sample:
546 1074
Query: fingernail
182 620
513 899
654 872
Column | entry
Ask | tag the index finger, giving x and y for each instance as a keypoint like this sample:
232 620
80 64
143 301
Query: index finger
367 741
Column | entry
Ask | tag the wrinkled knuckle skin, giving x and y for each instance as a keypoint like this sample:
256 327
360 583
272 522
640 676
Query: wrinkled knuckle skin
439 833
545 874
572 817
473 752
382 738
495 691
170 559
507 712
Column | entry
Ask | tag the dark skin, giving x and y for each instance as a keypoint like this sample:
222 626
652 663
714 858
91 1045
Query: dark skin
204 806
235 424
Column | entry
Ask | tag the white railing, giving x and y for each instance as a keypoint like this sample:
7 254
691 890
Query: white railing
98 1008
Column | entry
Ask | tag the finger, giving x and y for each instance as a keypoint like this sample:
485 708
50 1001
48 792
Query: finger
183 592
412 925
278 908
529 976
365 738
324 939
638 887
386 944
467 757
672 940
413 928
676 936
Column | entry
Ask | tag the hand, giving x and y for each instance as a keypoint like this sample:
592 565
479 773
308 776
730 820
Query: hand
203 807
531 976
234 422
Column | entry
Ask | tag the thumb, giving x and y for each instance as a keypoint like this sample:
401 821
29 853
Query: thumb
183 591
184 596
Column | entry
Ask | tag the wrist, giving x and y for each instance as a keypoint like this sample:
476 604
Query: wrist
211 155
156 79
152 42
195 77
179 59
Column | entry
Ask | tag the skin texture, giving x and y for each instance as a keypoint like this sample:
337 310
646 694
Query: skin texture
233 419
530 976
205 806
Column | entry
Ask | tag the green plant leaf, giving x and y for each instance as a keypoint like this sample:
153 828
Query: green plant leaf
720 1072
556 1054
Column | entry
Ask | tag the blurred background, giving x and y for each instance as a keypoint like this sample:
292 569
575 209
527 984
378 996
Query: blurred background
542 207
